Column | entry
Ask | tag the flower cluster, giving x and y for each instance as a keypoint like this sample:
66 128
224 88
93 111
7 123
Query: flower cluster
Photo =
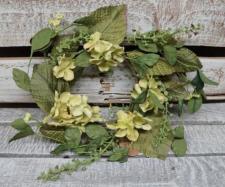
64 69
153 90
72 110
128 124
103 53
56 21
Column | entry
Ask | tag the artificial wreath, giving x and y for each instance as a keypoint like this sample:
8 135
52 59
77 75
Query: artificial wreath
157 59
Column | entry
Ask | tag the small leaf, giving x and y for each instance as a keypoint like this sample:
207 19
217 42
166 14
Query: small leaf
73 136
194 104
170 54
148 59
22 79
82 60
19 124
95 131
155 100
42 39
197 82
206 80
147 47
21 134
23 128
179 147
119 155
178 132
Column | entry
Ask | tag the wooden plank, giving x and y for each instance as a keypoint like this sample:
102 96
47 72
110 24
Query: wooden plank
20 19
114 87
137 172
204 132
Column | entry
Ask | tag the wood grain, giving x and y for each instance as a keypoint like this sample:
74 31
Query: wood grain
204 132
113 87
206 171
20 19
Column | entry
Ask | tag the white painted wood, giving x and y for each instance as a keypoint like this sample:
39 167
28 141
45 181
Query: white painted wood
20 19
137 172
204 132
114 87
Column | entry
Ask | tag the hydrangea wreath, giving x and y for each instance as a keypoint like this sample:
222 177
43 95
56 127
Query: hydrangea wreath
157 59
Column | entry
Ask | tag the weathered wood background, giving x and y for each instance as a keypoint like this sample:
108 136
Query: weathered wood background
203 166
114 87
20 19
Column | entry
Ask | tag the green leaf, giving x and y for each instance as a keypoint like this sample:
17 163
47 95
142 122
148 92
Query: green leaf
19 124
179 147
43 86
170 54
147 59
194 104
119 155
60 149
145 142
73 136
155 100
197 82
95 131
147 47
41 40
82 60
23 128
162 68
178 132
21 134
110 21
53 133
188 59
206 80
22 79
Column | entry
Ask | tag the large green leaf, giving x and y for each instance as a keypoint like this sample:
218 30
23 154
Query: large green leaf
170 54
188 59
119 155
147 59
53 133
95 131
22 79
43 85
73 136
41 40
145 142
110 21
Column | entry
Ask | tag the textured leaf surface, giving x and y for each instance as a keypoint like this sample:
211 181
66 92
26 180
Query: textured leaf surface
110 21
145 141
22 79
179 147
53 133
95 131
194 104
43 85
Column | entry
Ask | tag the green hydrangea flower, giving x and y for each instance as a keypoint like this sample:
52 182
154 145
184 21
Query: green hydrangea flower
103 53
152 87
128 124
72 110
65 68
56 21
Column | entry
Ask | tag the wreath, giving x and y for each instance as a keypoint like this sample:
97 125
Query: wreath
157 59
